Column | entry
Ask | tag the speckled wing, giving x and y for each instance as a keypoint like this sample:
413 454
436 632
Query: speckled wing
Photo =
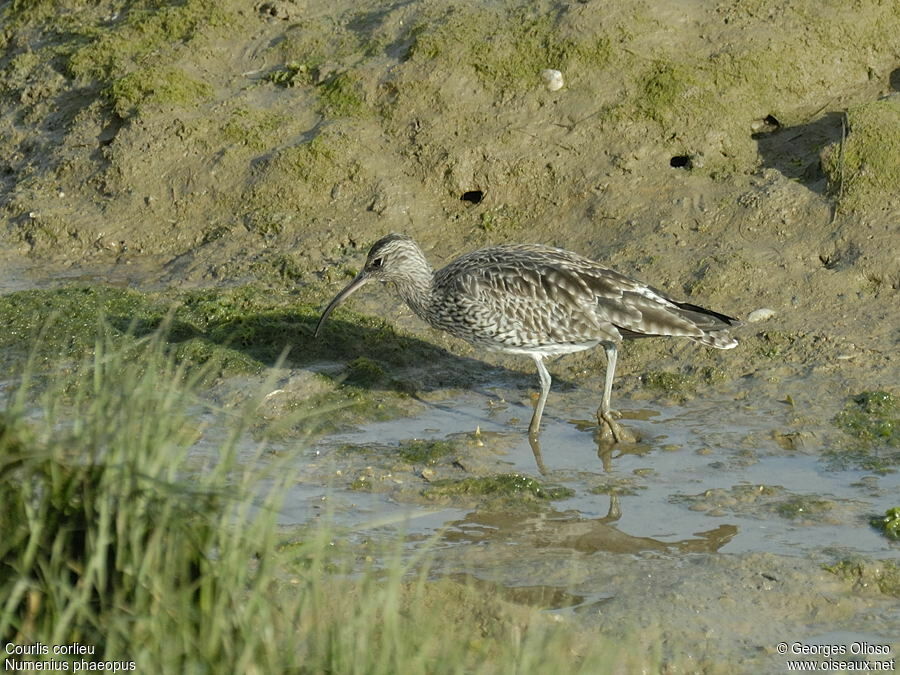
522 297
529 297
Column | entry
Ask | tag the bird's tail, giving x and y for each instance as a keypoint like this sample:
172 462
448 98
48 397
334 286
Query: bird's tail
713 324
720 339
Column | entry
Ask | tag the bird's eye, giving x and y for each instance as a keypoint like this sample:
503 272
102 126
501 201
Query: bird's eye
377 262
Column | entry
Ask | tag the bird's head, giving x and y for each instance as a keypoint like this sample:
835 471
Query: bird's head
394 258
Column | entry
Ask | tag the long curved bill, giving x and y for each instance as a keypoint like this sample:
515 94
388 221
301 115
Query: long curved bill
351 288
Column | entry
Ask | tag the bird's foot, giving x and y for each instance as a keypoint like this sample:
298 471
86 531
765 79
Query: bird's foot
611 431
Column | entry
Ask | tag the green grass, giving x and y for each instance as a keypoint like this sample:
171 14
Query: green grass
139 521
118 532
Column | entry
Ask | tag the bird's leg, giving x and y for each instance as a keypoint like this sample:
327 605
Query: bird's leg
605 416
535 427
535 443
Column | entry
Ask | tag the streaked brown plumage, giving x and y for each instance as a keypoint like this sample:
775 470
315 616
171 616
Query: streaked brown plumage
535 300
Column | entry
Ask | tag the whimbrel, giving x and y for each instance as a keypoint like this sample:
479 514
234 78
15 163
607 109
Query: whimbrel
538 301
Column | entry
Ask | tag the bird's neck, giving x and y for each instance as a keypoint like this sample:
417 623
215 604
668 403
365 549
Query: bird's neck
415 288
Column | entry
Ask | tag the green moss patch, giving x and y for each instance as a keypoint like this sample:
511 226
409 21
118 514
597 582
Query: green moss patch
506 52
773 343
668 383
761 501
64 321
425 452
871 422
108 51
414 452
292 186
155 86
671 91
341 96
291 74
881 574
253 128
245 327
889 523
872 417
364 372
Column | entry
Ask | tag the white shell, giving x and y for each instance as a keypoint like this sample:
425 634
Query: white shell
760 315
553 79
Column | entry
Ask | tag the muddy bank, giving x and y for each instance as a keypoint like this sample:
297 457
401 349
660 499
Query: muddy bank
276 142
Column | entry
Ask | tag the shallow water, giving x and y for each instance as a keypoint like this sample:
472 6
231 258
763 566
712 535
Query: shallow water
709 545
707 444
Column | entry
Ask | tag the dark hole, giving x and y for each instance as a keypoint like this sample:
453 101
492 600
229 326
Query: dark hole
894 79
829 262
680 162
472 196
772 121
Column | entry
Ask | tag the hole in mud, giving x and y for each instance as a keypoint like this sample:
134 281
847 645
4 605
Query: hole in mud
681 162
767 125
472 196
894 79
829 261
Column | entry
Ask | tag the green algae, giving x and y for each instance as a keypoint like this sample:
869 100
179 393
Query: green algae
889 523
872 417
803 506
111 51
341 96
253 128
155 86
415 452
862 573
64 321
864 170
871 441
317 41
289 184
425 452
671 91
364 372
506 50
671 384
625 486
772 344
247 327
291 74
512 487
744 499
227 332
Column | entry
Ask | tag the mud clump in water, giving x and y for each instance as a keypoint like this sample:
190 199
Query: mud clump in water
502 489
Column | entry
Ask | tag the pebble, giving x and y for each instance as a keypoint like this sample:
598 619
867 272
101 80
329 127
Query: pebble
553 79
